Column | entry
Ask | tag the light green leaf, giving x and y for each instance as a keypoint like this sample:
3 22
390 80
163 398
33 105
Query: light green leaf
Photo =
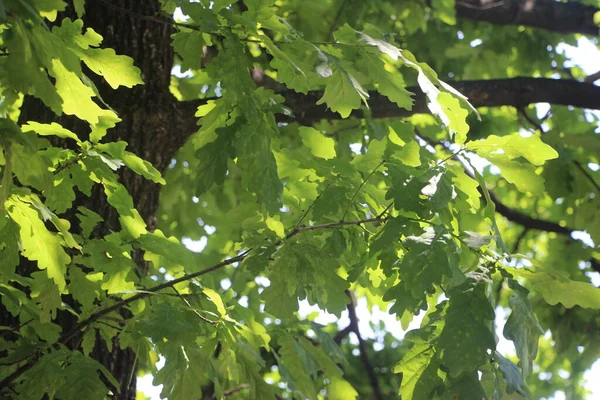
456 116
514 145
523 176
343 93
409 154
217 300
419 369
169 248
319 145
558 289
49 129
135 163
76 97
118 70
341 389
276 226
292 357
445 11
39 244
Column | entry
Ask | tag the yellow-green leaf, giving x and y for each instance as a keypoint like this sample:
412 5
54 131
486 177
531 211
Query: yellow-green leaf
319 145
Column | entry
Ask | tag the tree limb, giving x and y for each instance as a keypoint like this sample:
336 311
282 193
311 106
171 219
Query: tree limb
515 92
551 15
364 356
67 336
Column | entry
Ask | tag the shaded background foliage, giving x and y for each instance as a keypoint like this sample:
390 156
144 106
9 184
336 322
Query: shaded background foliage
291 148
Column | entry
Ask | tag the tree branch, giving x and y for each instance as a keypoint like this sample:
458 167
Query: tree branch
551 15
515 92
364 356
67 336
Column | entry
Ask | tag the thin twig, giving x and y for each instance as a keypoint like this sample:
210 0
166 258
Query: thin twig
385 210
535 124
520 238
587 175
336 19
202 317
229 392
359 188
67 336
592 78
342 334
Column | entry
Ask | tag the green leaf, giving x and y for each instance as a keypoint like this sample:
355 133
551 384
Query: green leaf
292 365
556 288
23 66
85 377
88 220
49 129
135 163
409 154
514 145
343 93
424 265
455 116
467 185
319 145
340 389
165 321
523 176
466 336
420 375
217 300
9 250
39 244
169 248
115 262
303 271
445 11
490 210
466 387
277 298
118 70
253 147
76 96
213 163
443 104
79 7
46 295
512 376
84 287
522 327
188 44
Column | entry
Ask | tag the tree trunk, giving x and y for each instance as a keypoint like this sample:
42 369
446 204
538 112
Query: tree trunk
149 125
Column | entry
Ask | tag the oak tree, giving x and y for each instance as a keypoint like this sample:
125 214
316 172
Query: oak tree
181 180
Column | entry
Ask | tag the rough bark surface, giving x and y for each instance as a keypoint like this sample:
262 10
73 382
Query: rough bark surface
551 15
150 121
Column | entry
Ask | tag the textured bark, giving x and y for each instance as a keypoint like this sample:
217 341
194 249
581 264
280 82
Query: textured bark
551 15
516 92
149 125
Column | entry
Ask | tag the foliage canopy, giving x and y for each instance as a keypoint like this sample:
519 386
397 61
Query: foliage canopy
334 164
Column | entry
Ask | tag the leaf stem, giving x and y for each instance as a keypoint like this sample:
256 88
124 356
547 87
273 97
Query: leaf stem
360 187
